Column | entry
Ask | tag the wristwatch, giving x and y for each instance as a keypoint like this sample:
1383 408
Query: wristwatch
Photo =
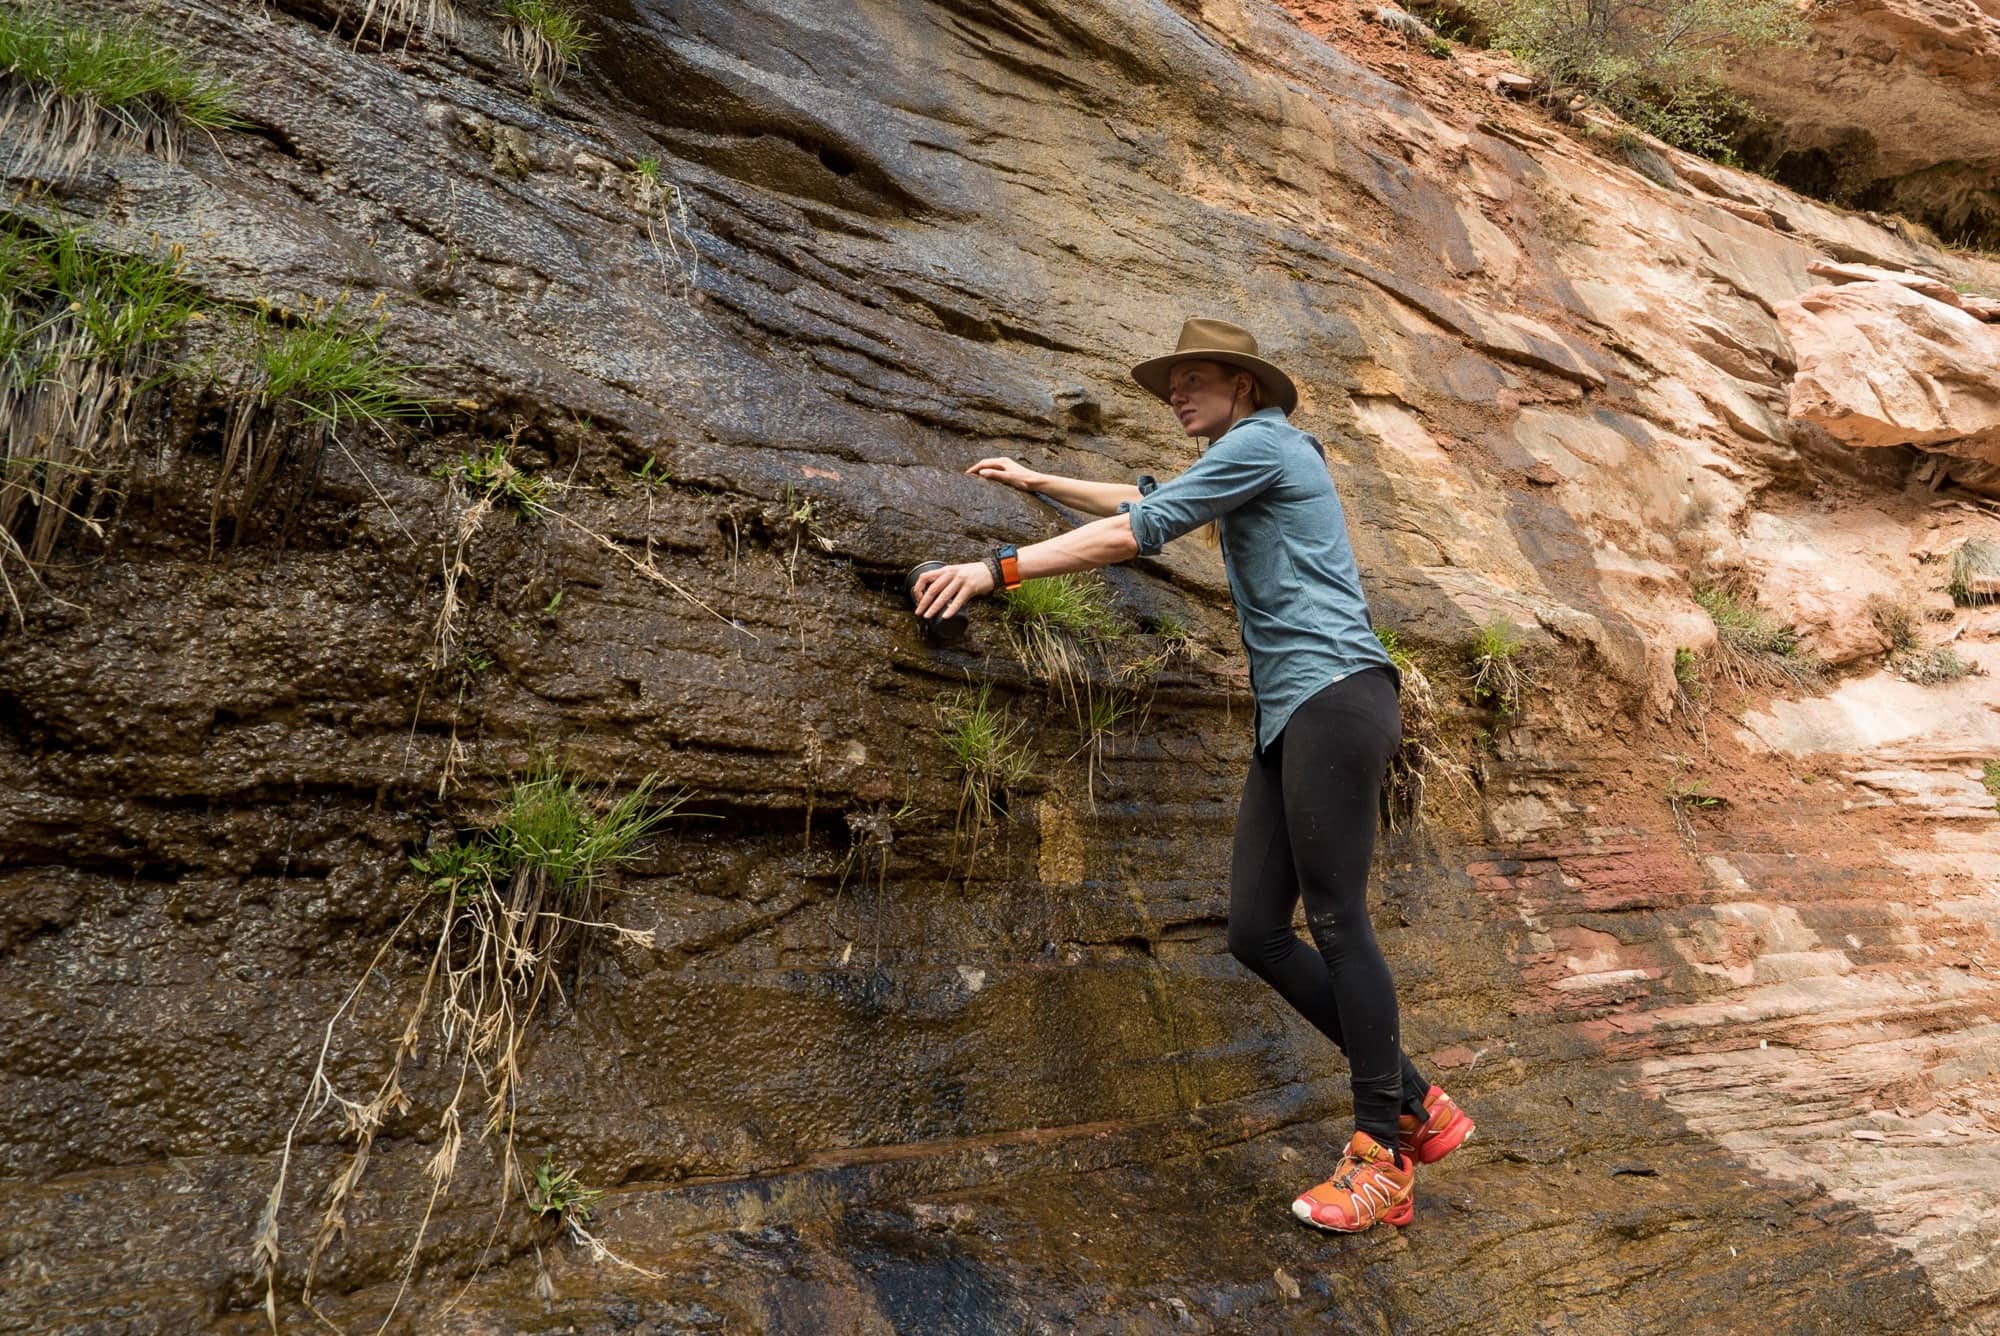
1006 564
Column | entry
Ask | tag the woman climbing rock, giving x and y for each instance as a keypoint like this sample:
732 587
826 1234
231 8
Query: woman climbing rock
1326 723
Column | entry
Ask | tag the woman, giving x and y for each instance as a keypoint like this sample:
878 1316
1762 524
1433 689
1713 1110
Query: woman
1325 717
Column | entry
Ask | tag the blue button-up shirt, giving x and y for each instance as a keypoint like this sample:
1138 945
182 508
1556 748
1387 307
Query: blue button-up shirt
1284 543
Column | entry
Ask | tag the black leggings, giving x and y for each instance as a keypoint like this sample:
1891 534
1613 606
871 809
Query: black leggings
1307 826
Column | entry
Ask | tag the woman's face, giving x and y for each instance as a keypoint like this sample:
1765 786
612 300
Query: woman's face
1204 396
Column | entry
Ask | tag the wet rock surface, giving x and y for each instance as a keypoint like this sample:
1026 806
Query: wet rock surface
867 1083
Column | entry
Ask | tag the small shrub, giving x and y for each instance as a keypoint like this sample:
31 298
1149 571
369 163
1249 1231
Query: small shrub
1494 655
1654 64
1935 666
1975 573
984 740
1754 645
547 37
68 91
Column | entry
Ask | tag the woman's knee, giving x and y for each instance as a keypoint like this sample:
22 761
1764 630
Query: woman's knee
1257 946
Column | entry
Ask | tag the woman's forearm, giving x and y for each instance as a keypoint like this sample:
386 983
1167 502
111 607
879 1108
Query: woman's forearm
1104 542
1092 498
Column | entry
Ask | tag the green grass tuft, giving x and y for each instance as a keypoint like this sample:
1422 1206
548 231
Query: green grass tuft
1494 654
492 473
1990 776
1078 606
556 1191
335 372
984 740
547 37
74 87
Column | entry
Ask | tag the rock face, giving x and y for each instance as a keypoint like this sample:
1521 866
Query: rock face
1674 945
1894 105
1882 363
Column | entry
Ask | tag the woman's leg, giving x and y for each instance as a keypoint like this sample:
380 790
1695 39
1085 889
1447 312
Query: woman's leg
1263 891
1336 747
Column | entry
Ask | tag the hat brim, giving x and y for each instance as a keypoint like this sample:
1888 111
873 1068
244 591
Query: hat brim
1155 375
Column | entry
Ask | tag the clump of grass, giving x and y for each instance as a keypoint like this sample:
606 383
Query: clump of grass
669 225
984 740
1423 756
508 909
85 336
1494 655
69 91
411 17
547 37
1990 776
1059 626
802 518
1937 665
1897 621
1975 573
1103 714
1754 646
303 384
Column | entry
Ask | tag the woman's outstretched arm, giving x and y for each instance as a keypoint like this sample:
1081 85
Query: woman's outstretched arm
1091 498
1105 542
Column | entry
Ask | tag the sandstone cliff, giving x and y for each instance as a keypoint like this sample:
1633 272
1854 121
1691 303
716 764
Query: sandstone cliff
1717 977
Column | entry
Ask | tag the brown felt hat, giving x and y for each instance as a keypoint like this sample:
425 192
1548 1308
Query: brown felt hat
1218 341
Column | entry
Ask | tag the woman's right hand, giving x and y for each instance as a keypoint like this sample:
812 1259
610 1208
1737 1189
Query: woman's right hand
1000 469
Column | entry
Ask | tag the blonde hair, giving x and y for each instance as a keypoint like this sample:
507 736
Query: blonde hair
1211 532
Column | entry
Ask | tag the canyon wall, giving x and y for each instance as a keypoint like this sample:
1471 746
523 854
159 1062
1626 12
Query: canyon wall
1733 1061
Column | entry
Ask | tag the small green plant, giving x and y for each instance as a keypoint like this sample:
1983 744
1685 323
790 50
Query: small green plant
512 906
1176 636
1990 776
547 37
492 473
1975 573
802 518
652 475
984 740
1102 716
69 91
1685 796
1753 645
1897 621
555 1191
1495 658
1438 47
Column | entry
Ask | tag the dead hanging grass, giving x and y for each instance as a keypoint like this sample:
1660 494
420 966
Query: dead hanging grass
412 18
1425 757
71 92
669 224
506 912
85 337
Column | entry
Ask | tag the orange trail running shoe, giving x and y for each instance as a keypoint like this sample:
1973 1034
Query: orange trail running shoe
1368 1186
1444 1131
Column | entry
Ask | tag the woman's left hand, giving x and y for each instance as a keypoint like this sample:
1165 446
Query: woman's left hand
942 592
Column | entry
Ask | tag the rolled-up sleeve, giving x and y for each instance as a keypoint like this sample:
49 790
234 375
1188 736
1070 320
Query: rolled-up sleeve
1235 469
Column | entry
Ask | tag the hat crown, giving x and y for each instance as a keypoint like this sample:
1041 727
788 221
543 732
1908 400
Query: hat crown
1201 335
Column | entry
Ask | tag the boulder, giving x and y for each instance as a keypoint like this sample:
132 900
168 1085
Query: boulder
1880 364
